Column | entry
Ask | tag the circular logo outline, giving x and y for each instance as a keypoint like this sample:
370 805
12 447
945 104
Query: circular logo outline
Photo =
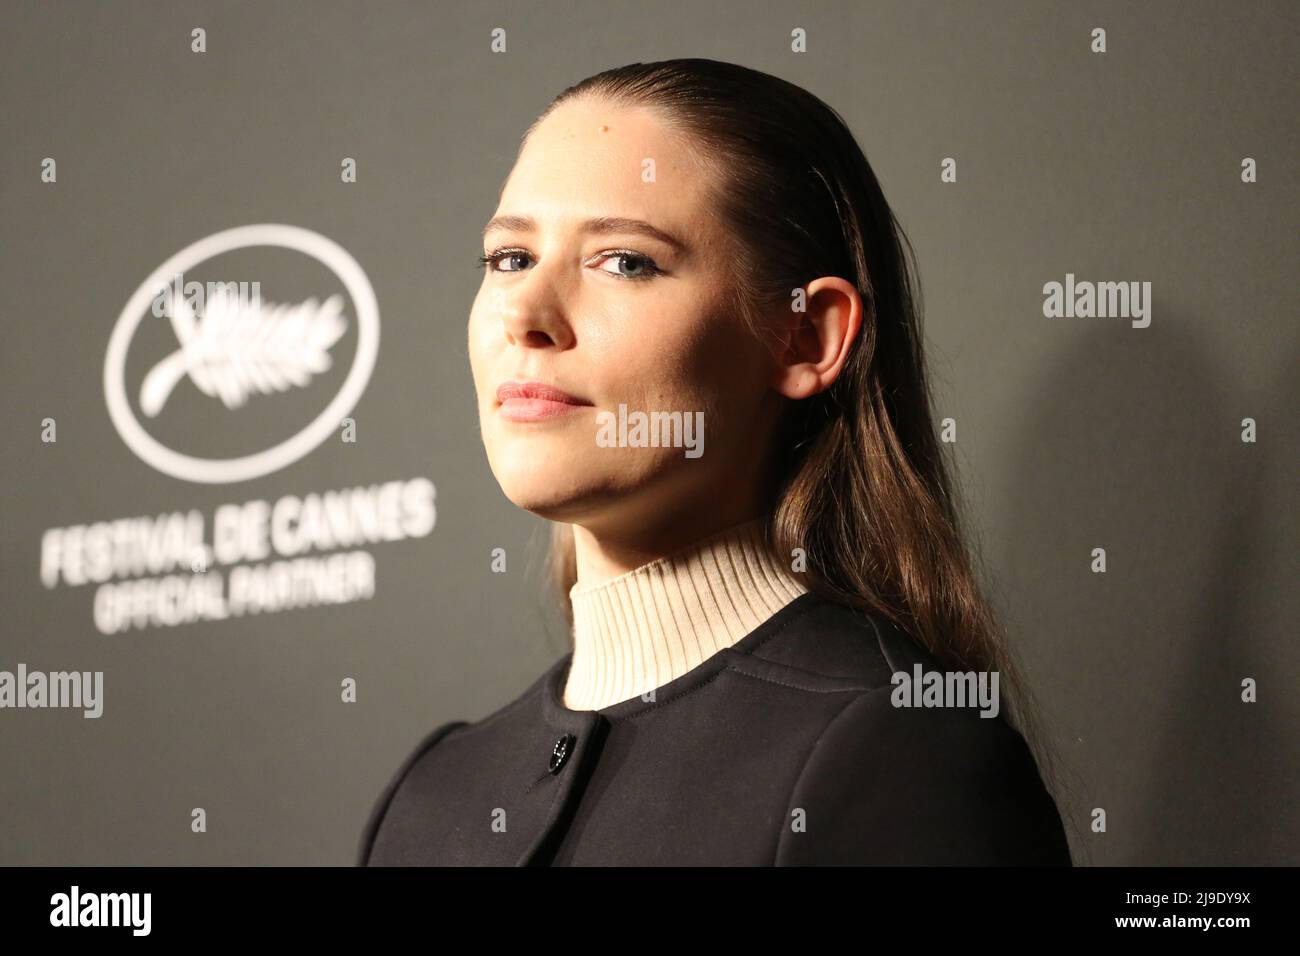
226 470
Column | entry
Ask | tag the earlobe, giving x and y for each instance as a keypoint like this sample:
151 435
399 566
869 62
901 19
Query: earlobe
797 381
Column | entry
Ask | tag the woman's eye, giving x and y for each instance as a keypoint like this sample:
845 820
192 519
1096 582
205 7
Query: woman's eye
642 266
628 265
493 259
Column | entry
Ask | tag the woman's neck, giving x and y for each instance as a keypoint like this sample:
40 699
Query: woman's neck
639 630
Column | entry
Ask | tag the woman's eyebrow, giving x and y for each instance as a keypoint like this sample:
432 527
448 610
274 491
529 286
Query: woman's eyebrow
599 225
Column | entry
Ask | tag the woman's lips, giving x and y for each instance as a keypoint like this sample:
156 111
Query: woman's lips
535 409
535 401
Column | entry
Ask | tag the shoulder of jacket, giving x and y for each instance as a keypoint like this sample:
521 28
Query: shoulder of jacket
955 739
380 807
868 655
923 785
888 780
831 647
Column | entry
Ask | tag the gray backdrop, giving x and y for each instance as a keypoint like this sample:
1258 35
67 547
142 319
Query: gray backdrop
1073 433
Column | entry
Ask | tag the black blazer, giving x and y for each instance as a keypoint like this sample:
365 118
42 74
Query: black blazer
783 749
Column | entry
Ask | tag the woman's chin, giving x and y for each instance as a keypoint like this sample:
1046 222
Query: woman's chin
544 491
549 505
557 493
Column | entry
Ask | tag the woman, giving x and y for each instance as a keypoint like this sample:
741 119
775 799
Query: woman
696 352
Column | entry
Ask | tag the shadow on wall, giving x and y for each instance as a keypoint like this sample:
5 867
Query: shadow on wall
1132 443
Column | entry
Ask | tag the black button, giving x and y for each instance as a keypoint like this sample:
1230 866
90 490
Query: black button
560 753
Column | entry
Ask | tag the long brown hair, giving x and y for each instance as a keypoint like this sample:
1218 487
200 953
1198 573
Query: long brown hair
863 486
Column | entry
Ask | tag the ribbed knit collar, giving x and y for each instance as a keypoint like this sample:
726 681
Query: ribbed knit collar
642 629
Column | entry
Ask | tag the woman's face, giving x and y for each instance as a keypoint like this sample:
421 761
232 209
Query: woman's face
581 298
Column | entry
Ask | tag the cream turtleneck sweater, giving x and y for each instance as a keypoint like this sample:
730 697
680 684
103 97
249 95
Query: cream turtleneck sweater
644 628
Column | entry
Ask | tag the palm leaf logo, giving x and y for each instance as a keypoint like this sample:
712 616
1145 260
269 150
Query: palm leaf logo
243 347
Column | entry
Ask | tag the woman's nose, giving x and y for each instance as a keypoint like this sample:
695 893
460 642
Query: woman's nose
532 313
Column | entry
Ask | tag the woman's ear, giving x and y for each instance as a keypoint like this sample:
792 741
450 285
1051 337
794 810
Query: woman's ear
815 341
